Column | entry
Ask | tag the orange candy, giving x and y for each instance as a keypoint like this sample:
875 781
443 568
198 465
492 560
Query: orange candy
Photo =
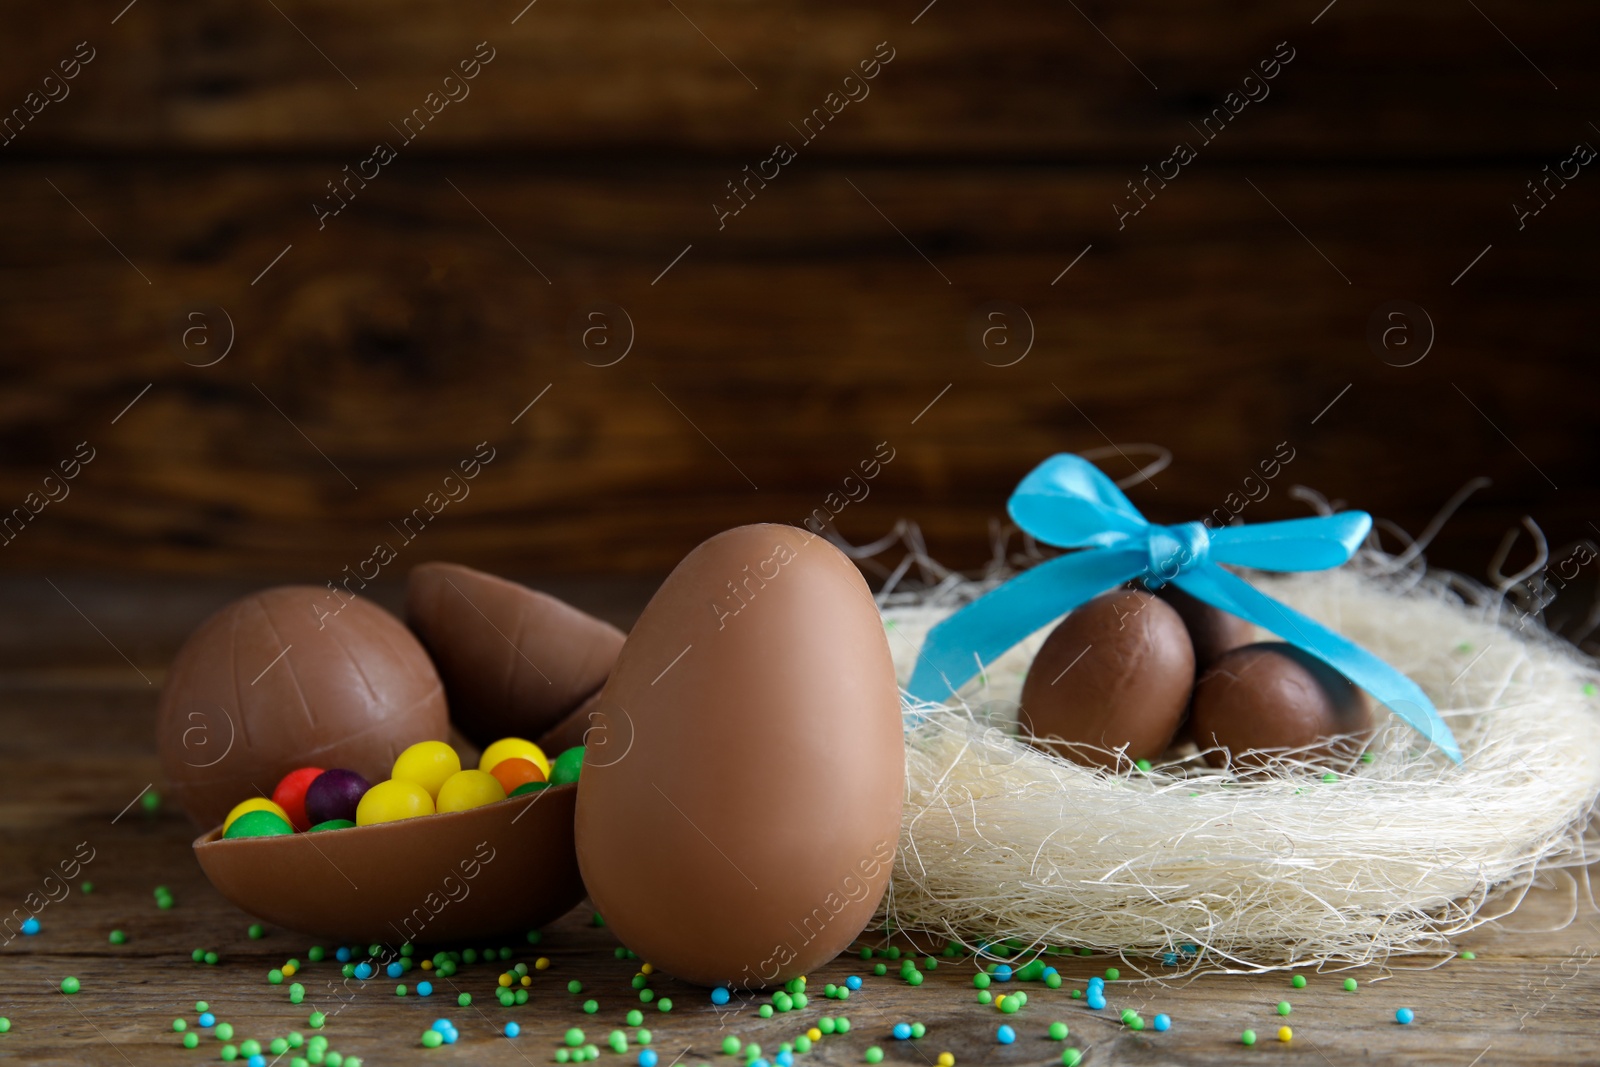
516 771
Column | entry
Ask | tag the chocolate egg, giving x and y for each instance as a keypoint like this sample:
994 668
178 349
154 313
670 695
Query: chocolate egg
1116 673
1212 631
437 878
286 678
1273 696
739 809
514 661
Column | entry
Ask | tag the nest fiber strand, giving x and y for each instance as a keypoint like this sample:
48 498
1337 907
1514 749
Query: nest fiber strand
1203 867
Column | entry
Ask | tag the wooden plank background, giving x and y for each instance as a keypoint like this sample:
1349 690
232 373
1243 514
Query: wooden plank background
773 355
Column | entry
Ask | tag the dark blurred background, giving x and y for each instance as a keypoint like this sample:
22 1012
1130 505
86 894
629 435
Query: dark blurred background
278 338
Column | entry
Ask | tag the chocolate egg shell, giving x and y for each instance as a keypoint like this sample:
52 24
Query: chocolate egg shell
438 878
1212 631
514 661
1116 673
286 678
1273 696
739 809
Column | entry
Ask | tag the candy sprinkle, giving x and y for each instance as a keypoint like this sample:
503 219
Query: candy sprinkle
873 1055
1005 1035
118 937
1163 1023
1298 981
1058 1031
1284 1007
1247 1038
1285 1034
1349 985
1071 1057
70 985
947 1059
1404 1016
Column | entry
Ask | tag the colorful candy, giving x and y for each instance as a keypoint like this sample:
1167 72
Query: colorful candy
253 804
258 823
514 748
427 764
334 794
331 824
514 771
290 795
567 766
468 789
393 800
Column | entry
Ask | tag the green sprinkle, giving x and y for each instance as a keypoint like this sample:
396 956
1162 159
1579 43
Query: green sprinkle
164 903
464 1000
1071 1057
644 1037
562 1055
984 996
70 984
534 937
87 887
1298 981
574 986
198 955
765 1011
118 937
1367 757
1010 1005
1247 1038
521 996
1112 974
1284 1008
191 1040
825 1024
1349 985
635 1017
278 1046
981 980
212 958
249 1048
400 990
1143 765
297 993
1329 776
574 1037
202 1006
802 1043
1058 1031
256 932
929 963
664 1004
179 1025
880 969
315 954
841 1025
274 977
150 802
1589 689
730 1046
1136 1023
892 952
640 981
315 1020
591 1006
432 1039
1469 955
224 1031
866 953
229 1053
1077 994
914 978
873 1055
618 1041
598 919
1053 981
295 1040
647 995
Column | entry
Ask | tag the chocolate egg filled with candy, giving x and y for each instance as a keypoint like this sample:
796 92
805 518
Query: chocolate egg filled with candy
286 678
1114 675
739 801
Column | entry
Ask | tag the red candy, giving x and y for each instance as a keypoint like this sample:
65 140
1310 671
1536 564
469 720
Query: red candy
290 795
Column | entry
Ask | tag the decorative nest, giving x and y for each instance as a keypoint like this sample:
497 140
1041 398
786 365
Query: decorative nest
1285 866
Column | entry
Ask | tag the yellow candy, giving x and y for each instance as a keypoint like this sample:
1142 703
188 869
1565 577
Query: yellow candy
946 1060
814 1034
289 970
509 747
392 800
541 964
253 804
1285 1034
645 968
469 789
428 764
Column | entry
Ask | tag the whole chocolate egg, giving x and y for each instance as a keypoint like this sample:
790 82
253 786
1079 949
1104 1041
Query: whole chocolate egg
739 805
1212 631
515 662
286 678
1274 696
1116 673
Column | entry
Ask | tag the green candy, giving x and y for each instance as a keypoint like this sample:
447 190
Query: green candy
256 931
567 766
330 824
118 937
258 824
529 787
70 984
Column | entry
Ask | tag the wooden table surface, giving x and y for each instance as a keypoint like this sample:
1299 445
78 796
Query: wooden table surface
76 745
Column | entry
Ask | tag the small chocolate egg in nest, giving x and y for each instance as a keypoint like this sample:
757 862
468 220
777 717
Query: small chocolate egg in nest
1115 674
1274 697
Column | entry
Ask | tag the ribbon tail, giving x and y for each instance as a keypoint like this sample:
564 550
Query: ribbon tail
1391 688
957 648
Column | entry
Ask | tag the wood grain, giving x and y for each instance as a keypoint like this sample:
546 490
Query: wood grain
78 752
771 358
1036 81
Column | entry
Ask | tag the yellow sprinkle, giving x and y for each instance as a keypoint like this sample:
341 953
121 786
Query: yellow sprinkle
647 969
814 1034
288 970
541 964
802 981
946 1060
427 965
527 980
1001 999
505 980
1285 1034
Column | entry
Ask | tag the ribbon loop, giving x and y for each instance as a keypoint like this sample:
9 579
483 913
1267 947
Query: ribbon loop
1067 502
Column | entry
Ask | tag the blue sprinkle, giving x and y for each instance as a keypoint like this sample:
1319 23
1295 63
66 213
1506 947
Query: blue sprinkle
1002 973
1404 1016
784 1058
424 989
902 1030
1096 1000
1191 949
719 995
853 982
363 971
1163 1023
30 925
648 1058
442 1025
1169 958
512 1029
1005 1035
450 1036
759 1062
395 970
258 1060
343 955
1048 971
207 1019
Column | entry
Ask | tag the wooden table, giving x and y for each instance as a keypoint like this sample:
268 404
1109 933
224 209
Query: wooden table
76 740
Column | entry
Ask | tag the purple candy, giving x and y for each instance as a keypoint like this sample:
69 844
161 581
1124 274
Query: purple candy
334 795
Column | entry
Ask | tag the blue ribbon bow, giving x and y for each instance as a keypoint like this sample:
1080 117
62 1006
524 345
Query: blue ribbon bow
1067 502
